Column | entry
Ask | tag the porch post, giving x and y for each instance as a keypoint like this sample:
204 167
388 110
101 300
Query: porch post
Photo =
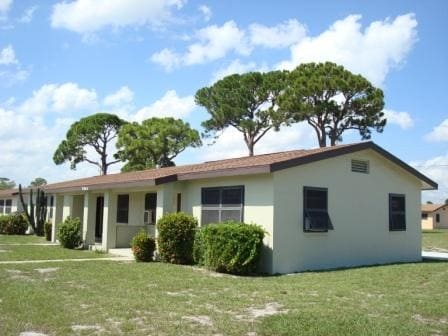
109 236
57 215
88 225
67 210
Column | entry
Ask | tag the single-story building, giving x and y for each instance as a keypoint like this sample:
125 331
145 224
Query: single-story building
9 201
434 216
339 206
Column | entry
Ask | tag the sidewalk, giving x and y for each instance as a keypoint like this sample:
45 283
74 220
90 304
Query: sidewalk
431 255
62 260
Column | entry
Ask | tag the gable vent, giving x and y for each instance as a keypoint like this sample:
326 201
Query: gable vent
360 166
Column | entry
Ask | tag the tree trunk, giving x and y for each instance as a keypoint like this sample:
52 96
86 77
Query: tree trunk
250 146
103 169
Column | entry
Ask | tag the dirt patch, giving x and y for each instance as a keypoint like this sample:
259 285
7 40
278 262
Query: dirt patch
3 251
78 327
19 275
181 293
270 308
199 319
31 333
209 273
426 320
46 270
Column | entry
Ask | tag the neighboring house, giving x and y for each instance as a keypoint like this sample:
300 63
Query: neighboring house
323 208
9 201
434 216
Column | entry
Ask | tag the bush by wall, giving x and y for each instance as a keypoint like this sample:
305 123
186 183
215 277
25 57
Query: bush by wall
143 246
229 247
69 233
176 237
47 230
13 224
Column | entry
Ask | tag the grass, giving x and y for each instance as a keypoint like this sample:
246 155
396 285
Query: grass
31 252
435 240
22 239
113 298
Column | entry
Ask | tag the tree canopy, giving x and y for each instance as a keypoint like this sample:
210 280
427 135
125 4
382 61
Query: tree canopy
333 100
38 182
95 131
247 102
6 183
155 142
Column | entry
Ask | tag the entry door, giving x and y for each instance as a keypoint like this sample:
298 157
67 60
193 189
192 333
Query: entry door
99 217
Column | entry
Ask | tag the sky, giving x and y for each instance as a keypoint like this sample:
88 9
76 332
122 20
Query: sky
64 60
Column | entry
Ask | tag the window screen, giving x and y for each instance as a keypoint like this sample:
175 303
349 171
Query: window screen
123 209
222 204
397 212
2 206
315 210
8 204
437 218
150 208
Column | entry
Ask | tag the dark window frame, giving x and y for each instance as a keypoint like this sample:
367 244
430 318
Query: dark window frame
307 210
8 206
392 226
437 218
149 208
2 206
179 202
424 216
220 206
123 211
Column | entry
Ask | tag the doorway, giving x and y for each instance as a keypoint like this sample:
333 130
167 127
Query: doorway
99 218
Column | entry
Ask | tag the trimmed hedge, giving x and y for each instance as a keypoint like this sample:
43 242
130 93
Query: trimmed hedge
13 224
47 230
69 233
143 246
229 247
176 237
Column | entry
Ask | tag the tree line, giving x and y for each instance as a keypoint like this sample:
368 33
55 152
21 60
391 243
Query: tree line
328 97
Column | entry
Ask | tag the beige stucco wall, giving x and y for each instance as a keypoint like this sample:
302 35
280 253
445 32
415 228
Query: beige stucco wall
443 213
359 210
428 223
258 198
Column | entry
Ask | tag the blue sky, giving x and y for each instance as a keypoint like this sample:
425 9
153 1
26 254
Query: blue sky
60 61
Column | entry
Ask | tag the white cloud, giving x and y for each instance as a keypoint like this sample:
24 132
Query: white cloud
280 36
372 52
8 56
27 16
234 67
170 105
60 98
231 144
402 119
436 169
123 96
90 16
439 133
167 59
213 42
12 77
206 12
5 6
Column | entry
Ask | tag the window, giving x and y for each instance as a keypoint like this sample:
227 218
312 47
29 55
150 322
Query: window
397 212
8 205
424 216
122 208
2 207
360 166
50 214
221 204
179 202
150 208
437 218
315 210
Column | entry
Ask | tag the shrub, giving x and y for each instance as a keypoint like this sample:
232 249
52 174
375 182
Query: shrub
176 237
13 224
47 229
69 233
230 247
143 246
198 247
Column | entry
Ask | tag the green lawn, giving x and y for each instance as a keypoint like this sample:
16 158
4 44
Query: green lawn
116 298
18 239
435 240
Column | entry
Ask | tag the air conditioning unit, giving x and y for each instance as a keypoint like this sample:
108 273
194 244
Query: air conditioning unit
147 217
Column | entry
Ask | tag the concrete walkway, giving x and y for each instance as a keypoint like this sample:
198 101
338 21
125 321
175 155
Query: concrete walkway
431 255
62 260
29 244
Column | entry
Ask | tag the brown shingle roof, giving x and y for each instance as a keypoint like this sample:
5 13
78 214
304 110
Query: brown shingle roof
432 207
265 163
8 192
